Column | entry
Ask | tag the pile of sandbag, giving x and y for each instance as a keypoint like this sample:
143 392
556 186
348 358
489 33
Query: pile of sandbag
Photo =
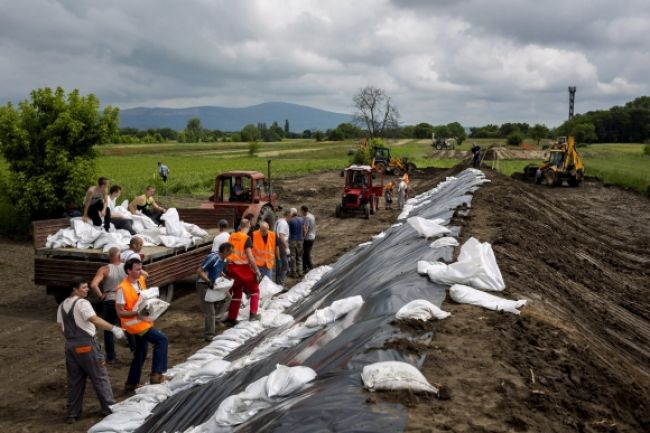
85 235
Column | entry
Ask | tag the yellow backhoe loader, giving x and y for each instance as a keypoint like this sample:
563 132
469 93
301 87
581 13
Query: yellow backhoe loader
563 163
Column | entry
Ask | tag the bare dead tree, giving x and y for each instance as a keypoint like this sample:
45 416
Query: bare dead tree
375 111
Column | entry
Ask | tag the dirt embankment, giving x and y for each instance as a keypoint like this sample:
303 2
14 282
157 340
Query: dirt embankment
576 360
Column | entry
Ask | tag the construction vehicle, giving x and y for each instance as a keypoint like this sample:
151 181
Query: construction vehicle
54 268
384 163
361 191
563 163
255 201
441 143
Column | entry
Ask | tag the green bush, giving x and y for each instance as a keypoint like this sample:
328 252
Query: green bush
646 150
515 138
253 148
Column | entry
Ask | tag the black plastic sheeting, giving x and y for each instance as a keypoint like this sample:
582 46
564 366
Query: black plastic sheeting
384 274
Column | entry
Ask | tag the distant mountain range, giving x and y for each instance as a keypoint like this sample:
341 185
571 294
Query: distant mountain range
234 119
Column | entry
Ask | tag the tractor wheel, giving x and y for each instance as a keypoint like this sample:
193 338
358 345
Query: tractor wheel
411 167
438 146
366 211
372 205
551 178
338 211
267 214
397 171
381 167
574 181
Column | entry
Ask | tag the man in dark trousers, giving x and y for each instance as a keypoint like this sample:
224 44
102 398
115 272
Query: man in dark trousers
476 156
83 358
126 300
309 238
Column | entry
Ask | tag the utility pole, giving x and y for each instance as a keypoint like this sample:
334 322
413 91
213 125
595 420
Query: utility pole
572 98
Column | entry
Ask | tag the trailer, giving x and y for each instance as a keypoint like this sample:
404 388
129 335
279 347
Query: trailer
54 268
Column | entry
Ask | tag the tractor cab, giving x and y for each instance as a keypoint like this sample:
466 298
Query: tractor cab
361 191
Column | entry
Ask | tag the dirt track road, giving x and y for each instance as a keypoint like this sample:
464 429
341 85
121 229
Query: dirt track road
576 360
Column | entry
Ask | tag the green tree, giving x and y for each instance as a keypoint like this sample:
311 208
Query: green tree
249 133
407 131
306 133
584 133
193 130
49 145
457 131
286 128
423 130
538 132
319 136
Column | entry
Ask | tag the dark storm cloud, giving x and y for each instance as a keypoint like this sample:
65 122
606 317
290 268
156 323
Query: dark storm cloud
472 61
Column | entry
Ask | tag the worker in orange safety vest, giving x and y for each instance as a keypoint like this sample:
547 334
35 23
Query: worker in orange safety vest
137 324
265 249
242 268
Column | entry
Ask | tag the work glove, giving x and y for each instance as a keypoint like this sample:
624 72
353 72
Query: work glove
258 275
117 332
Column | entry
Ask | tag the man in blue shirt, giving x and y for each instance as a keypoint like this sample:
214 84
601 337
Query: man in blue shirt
211 269
296 237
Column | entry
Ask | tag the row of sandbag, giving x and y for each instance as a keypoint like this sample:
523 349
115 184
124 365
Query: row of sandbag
208 363
81 234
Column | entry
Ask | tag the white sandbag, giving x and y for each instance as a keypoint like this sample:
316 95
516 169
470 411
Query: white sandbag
275 319
257 396
195 230
154 389
86 232
467 295
215 367
219 290
156 307
285 380
116 423
176 241
428 228
392 375
329 314
406 210
173 224
150 293
424 267
447 241
268 288
421 309
476 266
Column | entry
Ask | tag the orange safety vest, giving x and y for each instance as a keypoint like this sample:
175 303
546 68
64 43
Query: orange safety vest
264 252
132 325
238 241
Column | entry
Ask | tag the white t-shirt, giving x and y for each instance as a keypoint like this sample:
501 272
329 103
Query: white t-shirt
218 240
282 228
82 312
119 294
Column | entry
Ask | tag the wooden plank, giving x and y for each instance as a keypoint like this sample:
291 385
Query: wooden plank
41 229
207 218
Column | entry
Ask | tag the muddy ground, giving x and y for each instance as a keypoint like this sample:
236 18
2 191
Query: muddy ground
577 359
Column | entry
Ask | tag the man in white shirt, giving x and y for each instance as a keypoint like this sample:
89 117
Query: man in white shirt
83 358
222 237
282 234
310 237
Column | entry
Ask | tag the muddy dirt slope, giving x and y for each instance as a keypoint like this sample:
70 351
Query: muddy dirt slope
578 357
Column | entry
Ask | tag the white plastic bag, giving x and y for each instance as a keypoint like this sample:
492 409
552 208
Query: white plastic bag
421 310
391 375
428 228
156 307
467 295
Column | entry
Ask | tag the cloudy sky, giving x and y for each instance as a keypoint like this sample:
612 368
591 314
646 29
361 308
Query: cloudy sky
473 61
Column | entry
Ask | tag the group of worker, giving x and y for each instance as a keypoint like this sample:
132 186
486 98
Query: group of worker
243 256
399 185
100 206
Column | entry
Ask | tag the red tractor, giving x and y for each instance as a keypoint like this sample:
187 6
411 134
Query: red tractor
363 187
248 193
